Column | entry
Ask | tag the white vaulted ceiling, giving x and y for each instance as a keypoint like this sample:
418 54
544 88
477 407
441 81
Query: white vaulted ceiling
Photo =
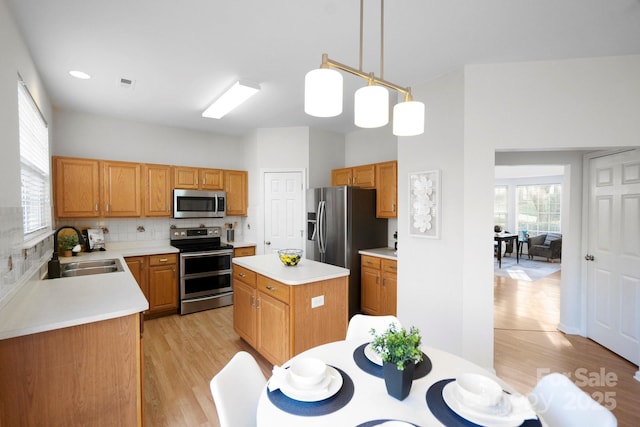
181 54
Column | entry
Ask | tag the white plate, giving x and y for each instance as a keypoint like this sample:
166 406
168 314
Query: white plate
470 414
334 383
370 354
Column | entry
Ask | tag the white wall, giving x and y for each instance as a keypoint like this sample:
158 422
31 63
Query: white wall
100 137
326 152
371 146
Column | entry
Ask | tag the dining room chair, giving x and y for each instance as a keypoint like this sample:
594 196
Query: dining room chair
360 325
561 403
236 390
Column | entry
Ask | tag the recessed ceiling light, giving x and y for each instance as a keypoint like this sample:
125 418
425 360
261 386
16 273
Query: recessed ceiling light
79 75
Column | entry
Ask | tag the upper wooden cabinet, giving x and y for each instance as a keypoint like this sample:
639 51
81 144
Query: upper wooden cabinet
198 178
86 188
235 184
387 189
121 194
361 176
157 190
76 187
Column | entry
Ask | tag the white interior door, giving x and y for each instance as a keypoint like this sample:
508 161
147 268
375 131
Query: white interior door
284 211
613 261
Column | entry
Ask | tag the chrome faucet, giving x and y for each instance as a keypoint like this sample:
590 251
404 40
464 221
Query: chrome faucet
53 268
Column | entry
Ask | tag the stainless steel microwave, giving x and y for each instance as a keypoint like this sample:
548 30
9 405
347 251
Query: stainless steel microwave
199 204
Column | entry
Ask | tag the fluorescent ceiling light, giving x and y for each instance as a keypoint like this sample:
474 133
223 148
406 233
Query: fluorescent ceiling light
80 74
234 96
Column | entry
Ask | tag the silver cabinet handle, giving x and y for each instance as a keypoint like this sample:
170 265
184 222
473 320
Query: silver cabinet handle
163 260
242 275
271 288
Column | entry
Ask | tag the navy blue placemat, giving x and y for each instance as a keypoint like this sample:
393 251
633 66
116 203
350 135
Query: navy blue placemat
312 409
374 423
363 362
447 416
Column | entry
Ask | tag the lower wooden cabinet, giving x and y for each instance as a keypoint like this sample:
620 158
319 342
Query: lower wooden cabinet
279 321
244 251
89 374
378 281
157 276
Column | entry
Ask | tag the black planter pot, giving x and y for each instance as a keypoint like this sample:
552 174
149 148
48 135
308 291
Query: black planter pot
398 382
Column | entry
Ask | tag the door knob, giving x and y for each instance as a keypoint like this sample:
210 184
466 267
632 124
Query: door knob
267 243
589 257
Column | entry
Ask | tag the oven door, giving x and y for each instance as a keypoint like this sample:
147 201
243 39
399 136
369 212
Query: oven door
205 274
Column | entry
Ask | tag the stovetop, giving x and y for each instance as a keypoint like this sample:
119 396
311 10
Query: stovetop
197 239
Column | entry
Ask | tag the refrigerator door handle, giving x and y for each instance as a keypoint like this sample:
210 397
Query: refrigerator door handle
321 232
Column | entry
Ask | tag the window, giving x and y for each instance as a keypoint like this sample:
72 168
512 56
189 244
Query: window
539 208
34 164
501 206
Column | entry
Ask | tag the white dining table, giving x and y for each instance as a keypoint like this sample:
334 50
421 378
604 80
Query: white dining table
370 401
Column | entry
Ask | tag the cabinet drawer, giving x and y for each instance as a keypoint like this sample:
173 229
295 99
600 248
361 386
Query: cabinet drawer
370 261
275 289
389 265
163 259
245 251
244 275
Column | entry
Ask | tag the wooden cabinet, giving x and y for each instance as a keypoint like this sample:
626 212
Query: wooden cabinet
387 189
244 251
236 186
378 285
189 178
121 196
76 187
361 176
156 191
86 188
279 321
89 374
157 276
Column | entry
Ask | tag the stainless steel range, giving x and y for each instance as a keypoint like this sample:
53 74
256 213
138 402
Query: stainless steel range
206 279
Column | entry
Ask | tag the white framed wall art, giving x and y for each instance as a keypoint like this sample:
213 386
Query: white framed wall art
424 204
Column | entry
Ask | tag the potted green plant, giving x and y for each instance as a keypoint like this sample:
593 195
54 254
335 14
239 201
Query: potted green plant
67 242
400 352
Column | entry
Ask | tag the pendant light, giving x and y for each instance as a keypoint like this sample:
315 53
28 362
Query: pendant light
323 93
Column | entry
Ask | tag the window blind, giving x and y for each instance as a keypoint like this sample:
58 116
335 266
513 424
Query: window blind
34 164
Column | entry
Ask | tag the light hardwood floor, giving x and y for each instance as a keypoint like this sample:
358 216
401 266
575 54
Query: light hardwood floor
183 353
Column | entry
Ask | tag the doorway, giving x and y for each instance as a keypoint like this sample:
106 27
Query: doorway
284 199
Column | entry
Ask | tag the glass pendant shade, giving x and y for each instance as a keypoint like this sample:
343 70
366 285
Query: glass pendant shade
371 107
323 93
408 118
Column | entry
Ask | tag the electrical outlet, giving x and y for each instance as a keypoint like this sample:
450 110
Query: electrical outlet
317 301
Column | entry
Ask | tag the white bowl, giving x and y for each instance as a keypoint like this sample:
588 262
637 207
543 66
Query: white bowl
478 390
307 371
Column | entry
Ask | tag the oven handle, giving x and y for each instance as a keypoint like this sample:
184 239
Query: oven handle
208 297
223 252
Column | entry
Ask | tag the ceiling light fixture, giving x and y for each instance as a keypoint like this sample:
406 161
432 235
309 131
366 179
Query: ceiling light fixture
79 74
234 96
323 93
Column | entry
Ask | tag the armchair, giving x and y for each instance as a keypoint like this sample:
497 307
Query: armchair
547 245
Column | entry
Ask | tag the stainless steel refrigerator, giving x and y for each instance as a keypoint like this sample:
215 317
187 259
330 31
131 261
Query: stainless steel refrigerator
340 222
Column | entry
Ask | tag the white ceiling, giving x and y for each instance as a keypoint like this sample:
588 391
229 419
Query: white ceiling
183 53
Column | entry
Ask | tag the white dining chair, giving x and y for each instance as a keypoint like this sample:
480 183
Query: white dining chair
236 390
561 403
360 325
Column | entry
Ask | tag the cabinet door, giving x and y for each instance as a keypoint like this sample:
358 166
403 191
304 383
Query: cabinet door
387 189
163 288
244 251
76 188
137 266
342 176
157 190
211 179
364 176
122 183
244 311
185 178
370 291
235 184
273 329
389 288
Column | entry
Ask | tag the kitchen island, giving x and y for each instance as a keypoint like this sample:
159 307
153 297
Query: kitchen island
282 311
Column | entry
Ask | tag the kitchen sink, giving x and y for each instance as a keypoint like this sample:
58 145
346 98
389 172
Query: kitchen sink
86 268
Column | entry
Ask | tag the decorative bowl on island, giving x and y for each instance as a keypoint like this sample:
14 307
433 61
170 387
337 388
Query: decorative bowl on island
290 257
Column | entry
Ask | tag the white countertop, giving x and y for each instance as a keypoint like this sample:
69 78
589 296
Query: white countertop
388 253
238 244
45 305
307 271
